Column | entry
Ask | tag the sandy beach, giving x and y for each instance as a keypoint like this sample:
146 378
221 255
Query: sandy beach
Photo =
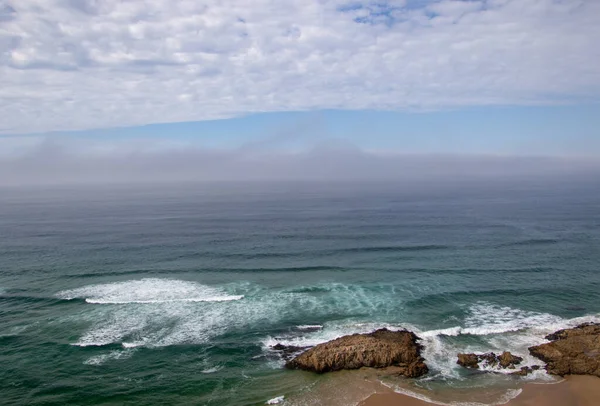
572 391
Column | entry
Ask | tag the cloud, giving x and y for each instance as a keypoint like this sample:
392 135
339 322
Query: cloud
81 64
70 160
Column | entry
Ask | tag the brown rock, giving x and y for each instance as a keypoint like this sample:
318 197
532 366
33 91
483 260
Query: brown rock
468 360
573 351
507 360
490 359
581 330
380 349
524 371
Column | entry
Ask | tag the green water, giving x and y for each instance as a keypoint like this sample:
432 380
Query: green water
153 296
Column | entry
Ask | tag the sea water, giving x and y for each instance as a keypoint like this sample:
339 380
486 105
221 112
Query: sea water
175 294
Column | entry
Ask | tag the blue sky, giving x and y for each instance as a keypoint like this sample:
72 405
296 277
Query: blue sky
570 131
456 77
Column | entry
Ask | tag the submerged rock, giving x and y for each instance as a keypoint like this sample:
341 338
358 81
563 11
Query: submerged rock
505 360
380 349
574 351
287 352
524 371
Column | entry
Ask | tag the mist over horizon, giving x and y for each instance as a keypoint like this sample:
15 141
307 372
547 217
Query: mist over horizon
56 163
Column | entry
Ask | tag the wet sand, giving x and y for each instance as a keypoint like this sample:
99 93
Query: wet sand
573 391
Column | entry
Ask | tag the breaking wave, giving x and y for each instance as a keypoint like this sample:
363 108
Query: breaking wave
148 291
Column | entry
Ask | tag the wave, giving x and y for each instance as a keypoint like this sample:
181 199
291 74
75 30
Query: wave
101 359
176 320
328 252
146 272
148 291
157 313
286 269
394 248
191 299
531 242
212 370
24 299
469 271
453 299
509 395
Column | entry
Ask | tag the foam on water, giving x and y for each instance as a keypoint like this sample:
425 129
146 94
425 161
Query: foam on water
172 319
98 360
276 401
148 291
156 312
212 370
504 399
501 328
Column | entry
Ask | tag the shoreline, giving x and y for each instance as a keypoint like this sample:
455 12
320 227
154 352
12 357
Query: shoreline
574 390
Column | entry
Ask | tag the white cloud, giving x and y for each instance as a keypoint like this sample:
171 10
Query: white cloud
79 64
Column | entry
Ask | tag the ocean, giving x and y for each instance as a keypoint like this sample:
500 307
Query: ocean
159 295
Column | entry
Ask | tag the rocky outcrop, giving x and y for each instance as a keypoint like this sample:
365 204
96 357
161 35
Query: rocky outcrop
504 360
380 349
573 351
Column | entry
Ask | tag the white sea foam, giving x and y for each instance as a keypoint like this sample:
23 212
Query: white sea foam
156 312
504 399
148 291
174 320
501 328
212 370
276 401
112 355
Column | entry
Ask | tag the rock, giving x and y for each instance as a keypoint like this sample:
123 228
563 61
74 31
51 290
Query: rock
380 349
581 330
505 360
524 371
468 360
490 359
287 352
573 351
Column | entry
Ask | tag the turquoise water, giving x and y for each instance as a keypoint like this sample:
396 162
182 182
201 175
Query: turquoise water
173 295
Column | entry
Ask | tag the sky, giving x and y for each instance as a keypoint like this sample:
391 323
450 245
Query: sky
133 89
